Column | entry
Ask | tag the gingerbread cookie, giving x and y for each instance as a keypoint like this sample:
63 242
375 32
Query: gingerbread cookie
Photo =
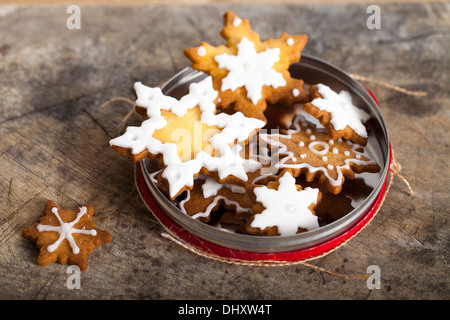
247 72
283 208
229 222
331 207
305 149
66 236
187 135
337 113
207 195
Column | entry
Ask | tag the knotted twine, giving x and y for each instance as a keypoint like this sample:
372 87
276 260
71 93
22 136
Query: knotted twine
394 170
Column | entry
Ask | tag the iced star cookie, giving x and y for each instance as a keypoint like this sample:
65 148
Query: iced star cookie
207 195
283 208
66 236
337 113
187 135
249 73
331 206
304 149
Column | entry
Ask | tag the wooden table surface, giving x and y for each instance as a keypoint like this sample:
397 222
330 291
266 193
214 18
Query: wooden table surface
55 134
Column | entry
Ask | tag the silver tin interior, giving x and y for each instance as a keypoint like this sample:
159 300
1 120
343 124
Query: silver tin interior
311 70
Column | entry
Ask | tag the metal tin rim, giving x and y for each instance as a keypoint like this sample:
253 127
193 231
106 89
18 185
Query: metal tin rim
261 244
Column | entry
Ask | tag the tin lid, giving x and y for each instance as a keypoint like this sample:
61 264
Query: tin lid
311 70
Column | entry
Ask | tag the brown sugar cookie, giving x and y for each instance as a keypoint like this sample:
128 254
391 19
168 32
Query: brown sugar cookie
305 149
337 113
283 208
66 236
248 72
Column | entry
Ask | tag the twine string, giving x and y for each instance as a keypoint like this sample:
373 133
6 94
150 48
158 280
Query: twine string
127 116
388 85
395 167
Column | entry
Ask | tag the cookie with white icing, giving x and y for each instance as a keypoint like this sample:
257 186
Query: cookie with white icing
305 149
283 208
188 136
249 73
337 113
208 195
66 236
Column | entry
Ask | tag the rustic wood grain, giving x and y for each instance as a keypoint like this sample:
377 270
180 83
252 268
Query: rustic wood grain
54 145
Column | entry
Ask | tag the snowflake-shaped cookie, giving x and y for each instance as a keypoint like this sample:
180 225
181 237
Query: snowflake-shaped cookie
249 73
66 235
305 149
187 135
283 208
337 113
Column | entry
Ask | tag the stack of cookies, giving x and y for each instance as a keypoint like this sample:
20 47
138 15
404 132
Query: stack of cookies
223 160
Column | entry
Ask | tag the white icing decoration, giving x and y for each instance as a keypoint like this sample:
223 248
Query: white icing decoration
330 166
274 140
343 112
290 41
250 69
303 155
237 21
235 127
295 92
210 187
331 142
312 137
301 144
307 116
324 158
153 175
312 145
65 230
335 150
286 208
201 51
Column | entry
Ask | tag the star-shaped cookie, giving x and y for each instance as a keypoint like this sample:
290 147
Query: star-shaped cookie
207 195
305 149
66 236
187 135
249 73
337 113
283 208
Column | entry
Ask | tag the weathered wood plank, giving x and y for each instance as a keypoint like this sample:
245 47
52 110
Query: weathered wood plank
55 135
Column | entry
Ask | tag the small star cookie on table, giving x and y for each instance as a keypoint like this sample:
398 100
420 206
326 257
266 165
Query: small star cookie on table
188 136
305 149
283 208
337 113
66 236
247 72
